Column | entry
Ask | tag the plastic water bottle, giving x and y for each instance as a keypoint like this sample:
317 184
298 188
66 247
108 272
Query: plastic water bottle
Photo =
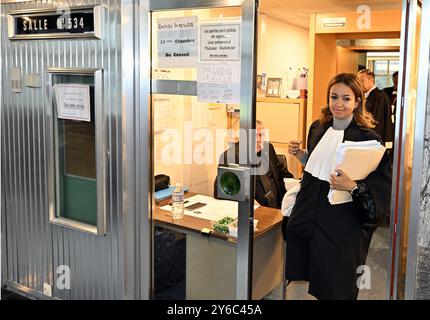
178 202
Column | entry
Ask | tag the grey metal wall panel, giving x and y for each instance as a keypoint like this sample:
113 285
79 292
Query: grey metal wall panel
32 247
417 284
422 289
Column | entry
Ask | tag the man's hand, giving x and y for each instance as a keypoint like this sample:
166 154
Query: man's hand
294 148
340 181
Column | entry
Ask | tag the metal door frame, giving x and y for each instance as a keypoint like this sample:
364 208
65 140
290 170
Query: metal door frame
145 140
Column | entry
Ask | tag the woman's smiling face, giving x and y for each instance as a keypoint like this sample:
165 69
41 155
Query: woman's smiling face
342 101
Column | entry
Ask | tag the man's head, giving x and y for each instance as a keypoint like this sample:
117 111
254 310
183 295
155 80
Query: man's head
367 79
259 139
395 79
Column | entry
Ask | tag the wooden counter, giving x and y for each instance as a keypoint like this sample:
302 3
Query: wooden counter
268 218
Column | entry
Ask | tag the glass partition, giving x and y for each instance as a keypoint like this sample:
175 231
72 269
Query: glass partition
185 150
197 96
189 137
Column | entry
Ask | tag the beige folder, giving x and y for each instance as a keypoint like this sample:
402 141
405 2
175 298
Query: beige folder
357 164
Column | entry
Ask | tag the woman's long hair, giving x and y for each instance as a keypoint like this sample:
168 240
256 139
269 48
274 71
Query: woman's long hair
361 116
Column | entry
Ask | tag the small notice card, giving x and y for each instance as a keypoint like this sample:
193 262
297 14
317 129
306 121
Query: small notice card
177 42
73 101
220 41
218 83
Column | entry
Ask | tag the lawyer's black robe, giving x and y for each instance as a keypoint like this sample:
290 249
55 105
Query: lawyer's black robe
389 93
378 104
327 243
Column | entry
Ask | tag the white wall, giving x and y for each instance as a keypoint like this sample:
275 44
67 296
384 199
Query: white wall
281 46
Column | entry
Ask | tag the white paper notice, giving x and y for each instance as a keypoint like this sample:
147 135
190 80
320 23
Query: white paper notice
177 42
73 101
218 83
220 41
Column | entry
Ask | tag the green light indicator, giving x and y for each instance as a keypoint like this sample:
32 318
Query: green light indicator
230 183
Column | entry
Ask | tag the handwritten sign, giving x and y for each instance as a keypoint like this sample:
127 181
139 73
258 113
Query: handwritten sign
220 41
218 83
177 42
73 101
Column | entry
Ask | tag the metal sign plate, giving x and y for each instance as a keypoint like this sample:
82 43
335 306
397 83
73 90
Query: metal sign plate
84 22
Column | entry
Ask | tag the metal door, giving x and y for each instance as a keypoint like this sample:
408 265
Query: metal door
182 86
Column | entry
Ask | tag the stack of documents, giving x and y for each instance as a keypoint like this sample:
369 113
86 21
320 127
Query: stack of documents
357 160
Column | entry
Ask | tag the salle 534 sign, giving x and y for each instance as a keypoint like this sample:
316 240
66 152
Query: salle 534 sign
83 22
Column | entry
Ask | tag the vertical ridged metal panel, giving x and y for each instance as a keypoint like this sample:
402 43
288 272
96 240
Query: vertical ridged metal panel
417 284
33 248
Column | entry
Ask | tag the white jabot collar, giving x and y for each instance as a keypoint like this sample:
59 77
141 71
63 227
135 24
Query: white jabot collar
322 161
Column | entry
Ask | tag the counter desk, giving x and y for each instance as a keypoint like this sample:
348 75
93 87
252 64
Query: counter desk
211 261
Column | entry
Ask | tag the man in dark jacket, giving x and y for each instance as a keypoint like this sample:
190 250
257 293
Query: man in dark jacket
391 92
377 103
270 187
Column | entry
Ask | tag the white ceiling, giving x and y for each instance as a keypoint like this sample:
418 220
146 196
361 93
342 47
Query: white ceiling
297 12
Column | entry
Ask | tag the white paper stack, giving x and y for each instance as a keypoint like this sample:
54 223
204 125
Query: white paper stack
357 160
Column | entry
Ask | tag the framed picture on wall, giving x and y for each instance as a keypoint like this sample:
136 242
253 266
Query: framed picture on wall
258 81
273 88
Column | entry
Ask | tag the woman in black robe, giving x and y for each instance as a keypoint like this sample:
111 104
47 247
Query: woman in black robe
327 245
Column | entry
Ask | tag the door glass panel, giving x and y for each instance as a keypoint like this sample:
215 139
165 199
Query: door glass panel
381 81
189 137
394 66
76 185
380 66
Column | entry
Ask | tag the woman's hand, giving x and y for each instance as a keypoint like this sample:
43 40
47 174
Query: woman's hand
341 181
294 148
